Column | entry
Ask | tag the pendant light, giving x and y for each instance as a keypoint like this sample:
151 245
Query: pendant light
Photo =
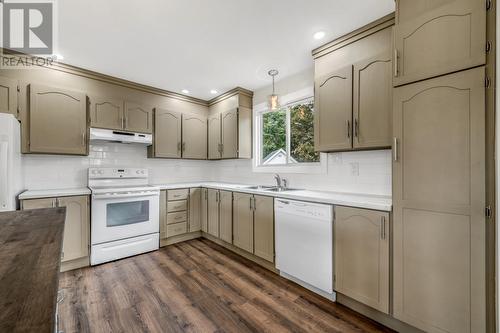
273 102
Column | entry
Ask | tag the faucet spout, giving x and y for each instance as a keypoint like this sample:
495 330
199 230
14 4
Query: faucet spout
278 180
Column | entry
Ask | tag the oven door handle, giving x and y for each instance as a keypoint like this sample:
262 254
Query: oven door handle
126 195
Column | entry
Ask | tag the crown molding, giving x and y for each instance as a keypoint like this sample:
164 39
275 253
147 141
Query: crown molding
231 93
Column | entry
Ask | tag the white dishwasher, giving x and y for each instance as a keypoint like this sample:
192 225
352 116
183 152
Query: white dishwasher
304 244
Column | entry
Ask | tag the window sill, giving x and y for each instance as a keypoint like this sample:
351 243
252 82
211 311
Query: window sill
316 168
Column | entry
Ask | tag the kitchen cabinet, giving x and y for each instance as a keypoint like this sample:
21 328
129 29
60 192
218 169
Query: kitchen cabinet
58 121
214 137
372 102
8 96
76 239
138 118
194 136
163 214
264 227
213 212
333 115
439 201
106 113
243 228
167 134
195 209
229 134
433 38
362 256
226 216
204 210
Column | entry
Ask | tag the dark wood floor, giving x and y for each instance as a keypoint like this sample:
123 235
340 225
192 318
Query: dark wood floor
196 286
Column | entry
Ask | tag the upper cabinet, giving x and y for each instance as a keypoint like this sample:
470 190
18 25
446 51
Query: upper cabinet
230 126
194 136
138 118
167 134
58 121
433 38
106 113
353 90
8 96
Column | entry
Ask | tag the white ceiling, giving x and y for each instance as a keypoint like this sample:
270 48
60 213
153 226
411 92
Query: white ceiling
201 45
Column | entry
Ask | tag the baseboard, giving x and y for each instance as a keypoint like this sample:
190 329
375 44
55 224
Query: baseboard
179 238
74 264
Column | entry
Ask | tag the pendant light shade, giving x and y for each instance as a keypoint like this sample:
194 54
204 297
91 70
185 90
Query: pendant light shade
273 99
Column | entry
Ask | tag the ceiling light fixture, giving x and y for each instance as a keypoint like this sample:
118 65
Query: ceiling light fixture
319 35
273 102
185 91
213 92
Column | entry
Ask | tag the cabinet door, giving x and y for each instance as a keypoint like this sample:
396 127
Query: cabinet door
362 256
214 140
58 121
438 37
204 210
243 221
38 203
163 214
8 95
226 216
333 111
213 212
138 118
439 200
372 109
194 137
264 227
106 113
167 138
76 227
194 209
230 133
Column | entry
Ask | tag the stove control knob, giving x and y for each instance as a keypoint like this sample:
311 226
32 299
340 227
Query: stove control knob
101 172
138 171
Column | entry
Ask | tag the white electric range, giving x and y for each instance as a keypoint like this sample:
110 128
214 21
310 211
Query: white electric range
125 213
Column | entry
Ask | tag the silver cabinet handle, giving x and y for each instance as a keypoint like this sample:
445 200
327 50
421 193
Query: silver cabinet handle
254 204
178 146
83 139
382 228
348 129
251 208
395 149
356 128
396 65
183 146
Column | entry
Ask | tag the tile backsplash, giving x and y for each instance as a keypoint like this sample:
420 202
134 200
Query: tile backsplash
357 172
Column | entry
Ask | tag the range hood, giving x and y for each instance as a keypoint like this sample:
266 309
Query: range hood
99 134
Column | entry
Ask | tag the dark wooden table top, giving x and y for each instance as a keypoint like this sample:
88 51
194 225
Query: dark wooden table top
30 255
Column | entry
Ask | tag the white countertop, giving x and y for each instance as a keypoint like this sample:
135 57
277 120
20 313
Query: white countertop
383 203
50 193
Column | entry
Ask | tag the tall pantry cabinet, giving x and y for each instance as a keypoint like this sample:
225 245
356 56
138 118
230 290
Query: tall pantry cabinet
439 165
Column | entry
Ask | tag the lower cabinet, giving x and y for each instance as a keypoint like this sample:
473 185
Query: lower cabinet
213 212
76 229
204 210
243 221
226 216
361 241
180 211
195 209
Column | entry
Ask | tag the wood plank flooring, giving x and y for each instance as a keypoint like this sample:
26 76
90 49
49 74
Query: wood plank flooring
196 286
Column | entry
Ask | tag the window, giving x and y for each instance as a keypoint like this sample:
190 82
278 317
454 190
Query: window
285 137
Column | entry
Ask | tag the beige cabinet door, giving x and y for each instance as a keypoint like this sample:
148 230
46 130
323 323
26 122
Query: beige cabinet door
194 209
38 203
226 216
362 256
372 108
57 120
106 113
439 200
214 137
229 120
333 111
8 95
138 118
213 212
167 133
163 214
264 227
76 228
438 37
204 210
243 221
194 137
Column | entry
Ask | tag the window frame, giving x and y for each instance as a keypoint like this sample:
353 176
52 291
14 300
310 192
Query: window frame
301 96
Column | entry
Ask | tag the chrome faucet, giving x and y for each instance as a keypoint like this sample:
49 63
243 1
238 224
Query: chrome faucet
285 183
278 180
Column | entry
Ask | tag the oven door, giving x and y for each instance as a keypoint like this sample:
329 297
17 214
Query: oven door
120 216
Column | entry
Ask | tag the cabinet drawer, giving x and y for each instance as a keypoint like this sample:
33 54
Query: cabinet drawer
176 229
178 194
176 217
177 206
